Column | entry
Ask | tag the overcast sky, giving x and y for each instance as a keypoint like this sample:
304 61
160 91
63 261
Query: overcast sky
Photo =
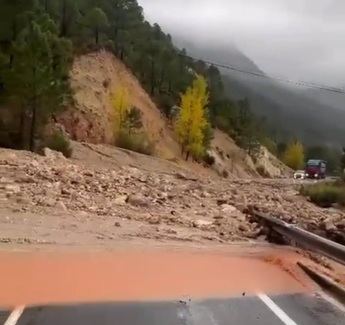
297 39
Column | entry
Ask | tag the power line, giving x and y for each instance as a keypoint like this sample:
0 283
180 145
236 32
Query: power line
306 84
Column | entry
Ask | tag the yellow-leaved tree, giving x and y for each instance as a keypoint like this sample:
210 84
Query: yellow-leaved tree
121 105
294 155
191 121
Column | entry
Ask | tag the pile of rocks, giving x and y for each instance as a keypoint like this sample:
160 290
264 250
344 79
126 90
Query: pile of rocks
39 184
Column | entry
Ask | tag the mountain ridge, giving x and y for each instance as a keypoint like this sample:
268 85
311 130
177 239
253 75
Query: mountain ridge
289 112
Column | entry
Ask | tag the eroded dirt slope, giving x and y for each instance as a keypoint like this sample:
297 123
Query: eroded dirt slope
236 161
94 78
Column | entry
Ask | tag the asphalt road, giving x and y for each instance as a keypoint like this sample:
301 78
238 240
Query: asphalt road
299 309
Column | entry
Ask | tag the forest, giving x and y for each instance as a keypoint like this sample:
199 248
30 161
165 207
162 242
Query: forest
38 40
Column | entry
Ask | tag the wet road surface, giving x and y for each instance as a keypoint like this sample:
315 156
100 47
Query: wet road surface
298 309
144 288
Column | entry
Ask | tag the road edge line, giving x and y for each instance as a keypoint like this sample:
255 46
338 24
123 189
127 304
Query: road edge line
326 283
15 315
276 309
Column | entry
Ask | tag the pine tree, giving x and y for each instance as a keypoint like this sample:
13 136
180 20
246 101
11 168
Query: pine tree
294 155
192 122
37 81
97 21
12 13
68 16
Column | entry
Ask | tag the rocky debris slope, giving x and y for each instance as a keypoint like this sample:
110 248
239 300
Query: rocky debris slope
211 209
233 160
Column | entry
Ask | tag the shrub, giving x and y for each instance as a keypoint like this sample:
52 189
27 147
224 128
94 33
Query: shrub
209 159
58 142
138 142
134 118
165 102
325 194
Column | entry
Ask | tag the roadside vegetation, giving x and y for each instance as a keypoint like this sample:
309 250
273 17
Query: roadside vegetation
59 142
325 194
293 156
128 124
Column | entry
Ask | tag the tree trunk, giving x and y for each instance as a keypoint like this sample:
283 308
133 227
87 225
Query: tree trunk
97 36
152 77
46 5
116 40
14 36
22 128
161 81
187 156
33 128
63 26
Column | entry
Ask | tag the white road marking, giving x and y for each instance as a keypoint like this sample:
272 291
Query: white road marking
15 315
276 309
332 301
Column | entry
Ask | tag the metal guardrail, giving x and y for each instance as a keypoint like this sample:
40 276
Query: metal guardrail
304 239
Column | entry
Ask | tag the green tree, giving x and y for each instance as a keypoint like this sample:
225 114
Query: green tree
12 17
342 163
134 118
67 13
247 129
37 80
97 21
294 155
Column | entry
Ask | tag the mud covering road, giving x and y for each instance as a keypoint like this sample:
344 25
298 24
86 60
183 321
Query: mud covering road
159 286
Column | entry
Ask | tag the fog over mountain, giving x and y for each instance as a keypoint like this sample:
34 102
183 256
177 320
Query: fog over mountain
297 39
292 39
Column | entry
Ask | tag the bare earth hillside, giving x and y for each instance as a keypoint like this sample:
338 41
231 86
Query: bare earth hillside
94 78
238 163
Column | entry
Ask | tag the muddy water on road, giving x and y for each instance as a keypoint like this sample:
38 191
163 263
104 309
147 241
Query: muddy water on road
41 278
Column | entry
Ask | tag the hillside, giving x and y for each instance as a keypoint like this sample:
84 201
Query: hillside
94 78
45 77
315 117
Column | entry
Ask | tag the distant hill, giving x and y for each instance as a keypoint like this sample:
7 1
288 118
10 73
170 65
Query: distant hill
315 117
334 100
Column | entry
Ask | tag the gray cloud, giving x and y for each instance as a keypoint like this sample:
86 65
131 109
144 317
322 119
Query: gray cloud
298 39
